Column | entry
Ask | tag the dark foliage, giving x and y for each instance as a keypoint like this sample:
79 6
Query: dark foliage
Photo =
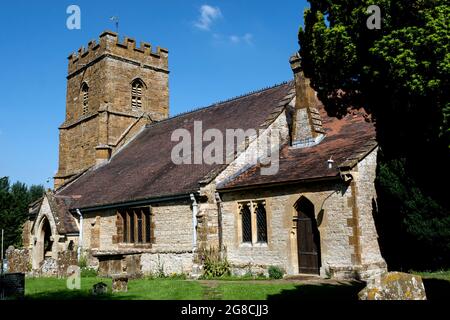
14 201
400 75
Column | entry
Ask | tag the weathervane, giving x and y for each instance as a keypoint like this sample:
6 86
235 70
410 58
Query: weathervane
116 21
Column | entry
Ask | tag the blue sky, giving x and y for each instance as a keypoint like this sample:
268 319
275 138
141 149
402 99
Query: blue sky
218 49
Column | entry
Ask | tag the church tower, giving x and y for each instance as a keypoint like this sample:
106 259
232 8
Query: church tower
113 89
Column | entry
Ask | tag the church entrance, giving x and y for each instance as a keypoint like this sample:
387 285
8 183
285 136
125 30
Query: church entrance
308 238
44 243
47 241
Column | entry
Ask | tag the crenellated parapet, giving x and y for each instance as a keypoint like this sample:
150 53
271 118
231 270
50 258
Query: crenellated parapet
111 82
110 45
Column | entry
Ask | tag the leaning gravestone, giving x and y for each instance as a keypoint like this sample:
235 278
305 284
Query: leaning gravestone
394 286
99 289
120 283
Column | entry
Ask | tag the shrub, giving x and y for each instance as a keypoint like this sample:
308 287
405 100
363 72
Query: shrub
87 272
178 276
83 263
214 265
260 276
275 272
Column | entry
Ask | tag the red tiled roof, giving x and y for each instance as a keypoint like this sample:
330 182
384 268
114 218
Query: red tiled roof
347 140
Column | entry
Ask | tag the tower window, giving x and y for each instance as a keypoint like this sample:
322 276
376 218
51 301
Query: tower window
137 87
85 97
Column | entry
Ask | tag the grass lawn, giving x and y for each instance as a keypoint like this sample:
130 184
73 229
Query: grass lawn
290 291
49 288
168 289
437 285
442 275
244 291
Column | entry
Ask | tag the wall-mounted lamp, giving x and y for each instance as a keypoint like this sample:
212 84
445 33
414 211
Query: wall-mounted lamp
330 163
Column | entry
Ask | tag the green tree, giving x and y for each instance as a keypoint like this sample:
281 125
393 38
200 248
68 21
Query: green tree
400 75
14 201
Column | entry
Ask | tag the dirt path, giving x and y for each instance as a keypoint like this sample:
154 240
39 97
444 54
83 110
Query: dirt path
211 290
283 281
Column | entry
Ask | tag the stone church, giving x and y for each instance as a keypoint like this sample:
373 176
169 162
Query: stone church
121 202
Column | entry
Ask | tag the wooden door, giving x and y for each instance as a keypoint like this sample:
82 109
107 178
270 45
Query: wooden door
308 241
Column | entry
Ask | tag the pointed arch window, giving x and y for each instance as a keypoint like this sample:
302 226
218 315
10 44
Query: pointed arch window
85 97
137 88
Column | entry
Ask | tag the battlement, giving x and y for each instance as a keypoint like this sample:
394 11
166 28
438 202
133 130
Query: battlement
109 44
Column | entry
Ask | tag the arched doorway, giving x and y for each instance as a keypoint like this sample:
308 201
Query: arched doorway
44 244
46 236
308 238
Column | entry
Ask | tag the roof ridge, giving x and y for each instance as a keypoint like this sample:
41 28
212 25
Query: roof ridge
245 95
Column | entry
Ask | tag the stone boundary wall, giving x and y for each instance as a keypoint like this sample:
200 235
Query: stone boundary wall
19 260
167 263
64 261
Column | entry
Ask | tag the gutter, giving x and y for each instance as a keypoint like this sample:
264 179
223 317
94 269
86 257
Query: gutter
135 203
276 184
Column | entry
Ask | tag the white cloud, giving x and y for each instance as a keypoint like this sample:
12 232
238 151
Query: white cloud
208 15
235 39
246 38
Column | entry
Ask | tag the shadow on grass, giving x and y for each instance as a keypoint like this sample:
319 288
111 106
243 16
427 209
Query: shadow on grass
76 295
436 289
341 292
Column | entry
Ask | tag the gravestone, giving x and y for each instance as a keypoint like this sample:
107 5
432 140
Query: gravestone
99 289
12 286
120 283
394 286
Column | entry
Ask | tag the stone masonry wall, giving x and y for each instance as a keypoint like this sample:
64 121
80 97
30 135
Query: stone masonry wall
108 68
59 243
99 229
77 146
173 227
371 259
167 263
64 261
173 238
281 249
246 159
19 260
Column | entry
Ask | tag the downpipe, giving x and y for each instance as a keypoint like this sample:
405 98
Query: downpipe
80 239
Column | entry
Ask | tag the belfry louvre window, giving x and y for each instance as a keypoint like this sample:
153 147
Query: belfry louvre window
85 97
137 88
136 225
253 222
